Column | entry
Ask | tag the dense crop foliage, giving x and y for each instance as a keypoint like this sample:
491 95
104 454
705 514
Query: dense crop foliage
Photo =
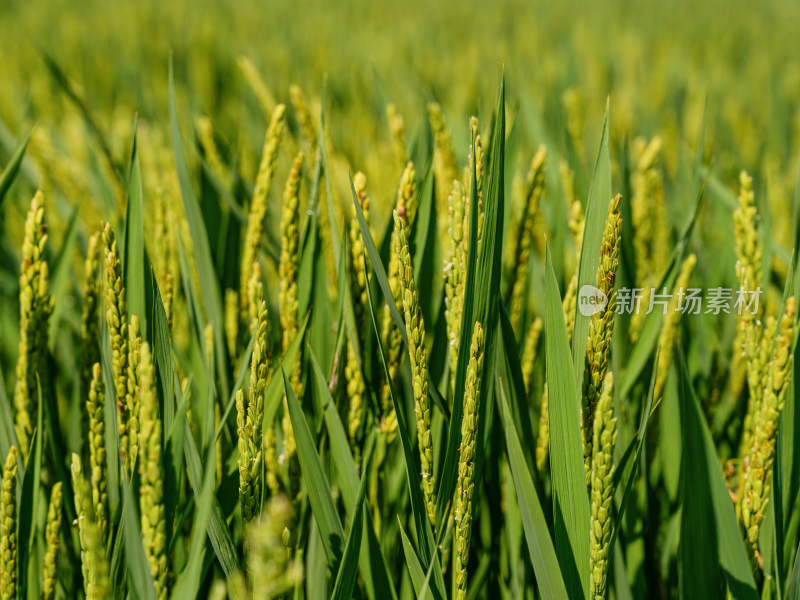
405 301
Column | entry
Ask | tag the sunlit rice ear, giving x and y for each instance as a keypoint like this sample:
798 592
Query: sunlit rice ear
466 465
604 435
36 306
757 476
8 525
418 355
601 326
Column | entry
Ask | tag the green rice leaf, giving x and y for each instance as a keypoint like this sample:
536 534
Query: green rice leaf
188 582
596 213
316 484
427 543
570 499
9 174
373 564
711 544
537 535
139 576
134 258
415 568
634 450
8 436
217 529
59 279
346 578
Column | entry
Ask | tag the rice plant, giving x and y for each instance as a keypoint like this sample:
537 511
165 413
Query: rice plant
301 320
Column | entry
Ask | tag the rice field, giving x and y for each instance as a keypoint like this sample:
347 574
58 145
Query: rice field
396 301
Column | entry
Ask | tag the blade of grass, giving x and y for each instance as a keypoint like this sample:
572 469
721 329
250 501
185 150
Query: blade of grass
274 393
139 577
9 174
8 437
217 530
425 538
162 348
711 542
188 583
243 368
205 265
316 484
336 239
346 578
793 587
540 546
570 499
374 568
512 369
596 212
636 444
60 272
134 261
415 568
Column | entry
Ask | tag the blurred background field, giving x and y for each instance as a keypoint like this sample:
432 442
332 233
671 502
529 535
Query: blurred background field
657 61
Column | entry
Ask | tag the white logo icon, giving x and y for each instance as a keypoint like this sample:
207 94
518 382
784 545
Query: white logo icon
591 300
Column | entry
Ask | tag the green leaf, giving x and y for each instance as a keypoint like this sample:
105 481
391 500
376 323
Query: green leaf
637 444
711 543
540 546
377 265
793 588
427 543
212 299
139 576
189 580
596 214
158 332
373 563
8 436
274 392
9 174
336 239
60 271
570 499
314 480
218 531
346 578
134 260
415 568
